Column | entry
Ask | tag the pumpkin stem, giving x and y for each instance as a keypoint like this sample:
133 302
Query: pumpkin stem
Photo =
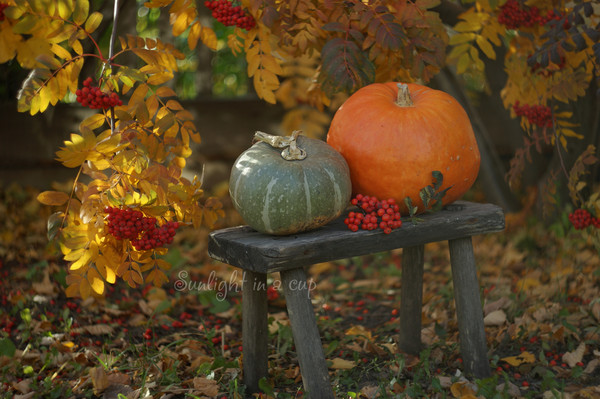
291 151
403 99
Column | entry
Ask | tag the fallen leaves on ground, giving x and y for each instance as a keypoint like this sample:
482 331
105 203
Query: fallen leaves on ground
540 300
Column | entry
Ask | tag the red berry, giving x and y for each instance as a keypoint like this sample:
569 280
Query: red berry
375 213
581 218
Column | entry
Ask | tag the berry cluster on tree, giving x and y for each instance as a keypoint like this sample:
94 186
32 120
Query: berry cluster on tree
94 98
229 15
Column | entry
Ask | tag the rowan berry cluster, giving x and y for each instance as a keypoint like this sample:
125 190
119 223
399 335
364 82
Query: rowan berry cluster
582 218
514 15
229 15
94 98
373 214
156 237
129 224
539 115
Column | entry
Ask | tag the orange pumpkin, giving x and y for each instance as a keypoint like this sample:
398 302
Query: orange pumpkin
393 136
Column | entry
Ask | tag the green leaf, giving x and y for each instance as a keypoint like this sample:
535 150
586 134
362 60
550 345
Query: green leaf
7 347
265 387
438 179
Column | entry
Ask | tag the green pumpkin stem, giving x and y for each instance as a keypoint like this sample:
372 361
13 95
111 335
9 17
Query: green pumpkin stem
291 151
403 98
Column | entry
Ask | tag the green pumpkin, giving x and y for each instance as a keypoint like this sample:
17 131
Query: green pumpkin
302 188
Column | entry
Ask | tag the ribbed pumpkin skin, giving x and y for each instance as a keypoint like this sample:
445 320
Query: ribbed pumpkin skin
392 150
281 197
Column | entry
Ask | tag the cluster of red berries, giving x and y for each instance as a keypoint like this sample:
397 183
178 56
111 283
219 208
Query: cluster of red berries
229 15
156 237
373 214
147 334
539 115
94 98
129 224
582 218
2 7
514 15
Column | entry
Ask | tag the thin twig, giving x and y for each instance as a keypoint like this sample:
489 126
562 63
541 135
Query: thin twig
111 49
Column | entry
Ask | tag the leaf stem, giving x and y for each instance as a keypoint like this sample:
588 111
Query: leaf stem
62 224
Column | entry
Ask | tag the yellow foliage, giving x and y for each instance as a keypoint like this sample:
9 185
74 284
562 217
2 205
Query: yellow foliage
134 153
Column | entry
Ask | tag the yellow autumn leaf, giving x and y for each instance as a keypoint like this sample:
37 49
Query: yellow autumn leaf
76 151
163 264
165 91
53 198
65 8
235 44
78 48
160 78
93 22
104 268
460 38
463 63
183 20
194 35
72 289
264 90
270 63
9 43
157 278
486 47
83 261
95 281
359 330
524 358
570 133
464 26
342 364
85 290
462 390
82 9
74 255
93 122
29 51
527 283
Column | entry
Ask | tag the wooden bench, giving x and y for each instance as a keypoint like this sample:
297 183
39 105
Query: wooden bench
259 254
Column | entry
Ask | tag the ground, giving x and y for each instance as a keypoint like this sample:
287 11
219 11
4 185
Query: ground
540 287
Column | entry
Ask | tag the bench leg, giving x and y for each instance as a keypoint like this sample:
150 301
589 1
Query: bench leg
254 328
309 348
473 345
411 299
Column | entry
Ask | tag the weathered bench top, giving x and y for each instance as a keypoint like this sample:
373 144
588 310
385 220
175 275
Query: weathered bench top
248 249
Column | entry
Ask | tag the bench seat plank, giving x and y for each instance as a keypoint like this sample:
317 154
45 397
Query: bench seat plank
248 249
